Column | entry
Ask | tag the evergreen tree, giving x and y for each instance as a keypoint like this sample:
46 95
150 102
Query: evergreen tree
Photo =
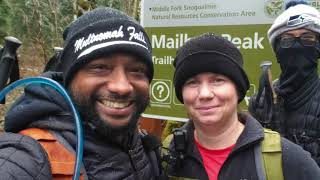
40 23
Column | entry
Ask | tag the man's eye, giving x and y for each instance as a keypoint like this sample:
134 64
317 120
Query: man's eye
137 69
98 67
138 72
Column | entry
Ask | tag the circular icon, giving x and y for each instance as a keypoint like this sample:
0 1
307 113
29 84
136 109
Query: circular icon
160 91
273 8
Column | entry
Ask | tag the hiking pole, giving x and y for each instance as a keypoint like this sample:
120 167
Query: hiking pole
8 62
266 65
266 88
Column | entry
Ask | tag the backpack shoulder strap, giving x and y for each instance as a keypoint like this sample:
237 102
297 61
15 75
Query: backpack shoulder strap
165 154
62 161
272 155
167 140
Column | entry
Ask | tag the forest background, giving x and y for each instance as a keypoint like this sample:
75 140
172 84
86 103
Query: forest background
39 25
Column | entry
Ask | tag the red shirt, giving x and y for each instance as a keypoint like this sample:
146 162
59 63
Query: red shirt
213 159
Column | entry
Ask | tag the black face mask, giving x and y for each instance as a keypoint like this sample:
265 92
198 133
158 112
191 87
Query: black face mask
298 64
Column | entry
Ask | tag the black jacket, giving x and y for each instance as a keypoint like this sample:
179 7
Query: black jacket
22 157
240 164
296 116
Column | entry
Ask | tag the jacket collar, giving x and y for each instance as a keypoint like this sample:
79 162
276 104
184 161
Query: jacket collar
252 133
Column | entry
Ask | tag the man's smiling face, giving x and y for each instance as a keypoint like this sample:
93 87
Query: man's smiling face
112 90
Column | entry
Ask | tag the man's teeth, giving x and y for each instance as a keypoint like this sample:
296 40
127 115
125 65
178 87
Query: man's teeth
113 104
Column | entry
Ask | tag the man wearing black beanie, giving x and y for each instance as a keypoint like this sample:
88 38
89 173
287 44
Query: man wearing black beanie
106 67
218 142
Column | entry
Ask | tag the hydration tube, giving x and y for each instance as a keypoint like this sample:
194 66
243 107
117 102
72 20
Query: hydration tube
62 91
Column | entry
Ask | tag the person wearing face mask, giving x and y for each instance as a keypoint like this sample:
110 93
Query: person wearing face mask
295 112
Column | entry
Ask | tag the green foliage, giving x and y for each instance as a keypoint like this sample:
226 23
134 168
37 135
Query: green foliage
107 3
5 13
170 125
87 5
84 6
41 22
131 7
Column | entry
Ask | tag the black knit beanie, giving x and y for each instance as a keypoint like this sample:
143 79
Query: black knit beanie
99 33
209 53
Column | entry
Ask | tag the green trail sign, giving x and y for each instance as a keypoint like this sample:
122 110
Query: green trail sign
170 23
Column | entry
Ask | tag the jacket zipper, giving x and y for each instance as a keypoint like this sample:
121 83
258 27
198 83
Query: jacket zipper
133 165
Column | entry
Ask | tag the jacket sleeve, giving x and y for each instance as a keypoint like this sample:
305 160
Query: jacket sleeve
22 157
297 163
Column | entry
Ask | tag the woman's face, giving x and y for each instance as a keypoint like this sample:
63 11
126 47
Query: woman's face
210 99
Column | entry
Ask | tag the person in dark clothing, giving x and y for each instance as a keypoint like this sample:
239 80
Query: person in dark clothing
220 142
106 66
293 108
54 60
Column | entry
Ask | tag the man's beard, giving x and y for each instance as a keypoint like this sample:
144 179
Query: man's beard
86 107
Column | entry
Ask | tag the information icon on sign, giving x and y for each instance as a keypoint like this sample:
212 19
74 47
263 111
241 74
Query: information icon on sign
160 91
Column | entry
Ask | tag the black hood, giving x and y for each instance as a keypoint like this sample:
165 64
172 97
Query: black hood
40 106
